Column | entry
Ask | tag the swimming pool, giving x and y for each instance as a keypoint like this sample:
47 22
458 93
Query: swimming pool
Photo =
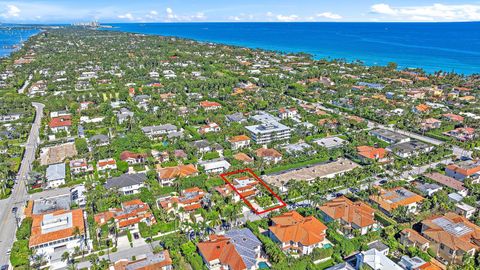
327 245
263 265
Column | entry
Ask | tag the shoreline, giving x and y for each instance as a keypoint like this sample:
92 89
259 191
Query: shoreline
18 44
430 64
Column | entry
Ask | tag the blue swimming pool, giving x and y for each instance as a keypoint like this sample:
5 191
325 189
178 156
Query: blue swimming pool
263 265
327 245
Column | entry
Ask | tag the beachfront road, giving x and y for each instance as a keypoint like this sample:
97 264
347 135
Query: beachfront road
8 220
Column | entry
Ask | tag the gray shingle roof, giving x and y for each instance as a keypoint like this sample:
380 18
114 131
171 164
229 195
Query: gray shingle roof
55 172
126 180
245 243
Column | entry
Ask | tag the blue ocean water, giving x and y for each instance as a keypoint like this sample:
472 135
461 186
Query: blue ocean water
11 38
431 46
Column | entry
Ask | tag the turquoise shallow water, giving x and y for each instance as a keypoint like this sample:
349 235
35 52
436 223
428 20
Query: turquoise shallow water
431 46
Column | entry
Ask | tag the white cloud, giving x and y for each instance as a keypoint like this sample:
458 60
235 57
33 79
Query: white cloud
242 17
435 12
286 18
170 15
11 11
329 15
127 16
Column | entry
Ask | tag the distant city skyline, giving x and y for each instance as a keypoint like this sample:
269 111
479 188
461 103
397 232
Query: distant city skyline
110 11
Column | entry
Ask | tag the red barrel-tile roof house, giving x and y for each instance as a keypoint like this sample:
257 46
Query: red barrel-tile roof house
298 234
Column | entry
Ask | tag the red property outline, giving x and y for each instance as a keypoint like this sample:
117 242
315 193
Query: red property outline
282 203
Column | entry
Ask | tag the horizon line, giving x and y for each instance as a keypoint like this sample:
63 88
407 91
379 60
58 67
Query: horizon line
233 22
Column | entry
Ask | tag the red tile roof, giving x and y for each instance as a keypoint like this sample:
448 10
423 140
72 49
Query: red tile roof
61 121
219 247
128 155
38 236
357 213
371 152
465 241
293 227
209 104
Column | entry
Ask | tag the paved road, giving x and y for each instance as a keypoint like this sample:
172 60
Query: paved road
25 85
19 193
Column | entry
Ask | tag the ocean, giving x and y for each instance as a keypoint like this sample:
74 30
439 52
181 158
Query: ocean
11 38
431 46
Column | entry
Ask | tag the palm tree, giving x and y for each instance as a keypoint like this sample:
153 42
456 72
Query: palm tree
66 257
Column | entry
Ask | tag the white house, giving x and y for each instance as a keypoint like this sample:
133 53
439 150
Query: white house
215 165
127 184
55 175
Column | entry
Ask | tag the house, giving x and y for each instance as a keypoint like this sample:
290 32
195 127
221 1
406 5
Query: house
246 187
128 217
416 263
351 215
55 175
421 108
133 158
453 117
330 142
180 154
99 140
218 165
227 191
448 182
427 189
389 136
189 200
463 169
60 123
269 130
410 237
210 127
240 141
451 236
160 156
389 200
154 132
378 261
202 146
167 175
465 210
123 115
78 166
10 117
287 113
431 123
127 183
462 134
379 246
238 249
106 164
410 148
210 105
158 261
296 233
60 230
368 153
78 195
242 157
269 155
298 149
236 118
341 266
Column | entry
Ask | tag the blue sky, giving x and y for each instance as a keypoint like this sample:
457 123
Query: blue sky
68 11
